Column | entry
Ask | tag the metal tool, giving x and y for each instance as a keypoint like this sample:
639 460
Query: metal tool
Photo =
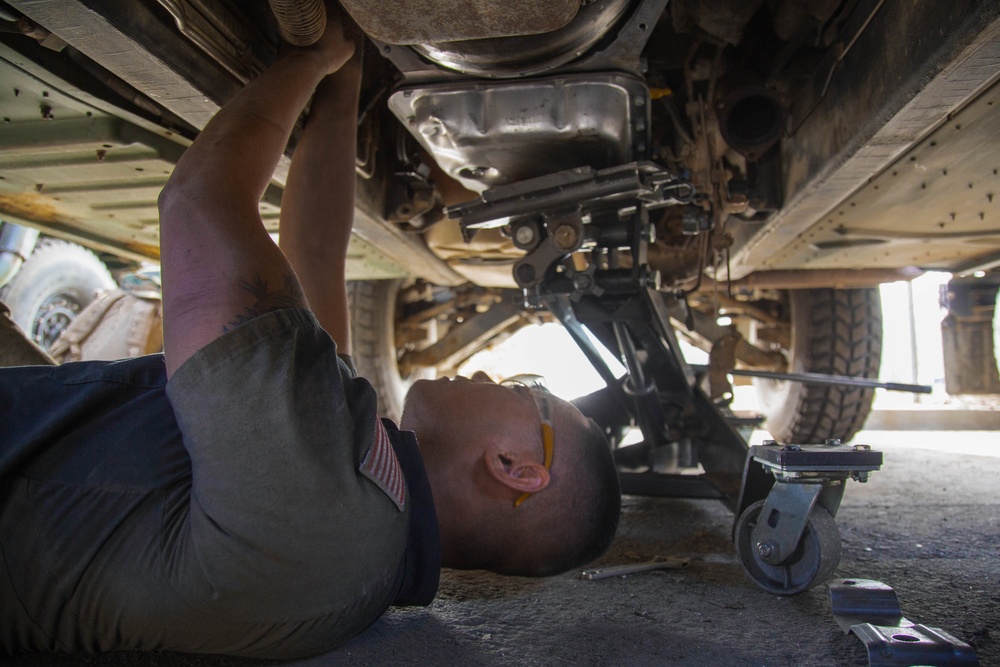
870 609
835 380
625 570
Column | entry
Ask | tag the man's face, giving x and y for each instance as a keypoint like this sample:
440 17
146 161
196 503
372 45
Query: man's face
457 417
461 426
464 408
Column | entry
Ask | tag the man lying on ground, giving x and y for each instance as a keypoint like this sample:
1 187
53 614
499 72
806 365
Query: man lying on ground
238 494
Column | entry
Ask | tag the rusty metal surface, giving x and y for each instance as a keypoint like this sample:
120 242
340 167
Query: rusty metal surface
419 21
968 352
967 335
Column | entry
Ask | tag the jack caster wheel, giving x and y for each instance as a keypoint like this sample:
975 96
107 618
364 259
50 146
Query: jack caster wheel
813 561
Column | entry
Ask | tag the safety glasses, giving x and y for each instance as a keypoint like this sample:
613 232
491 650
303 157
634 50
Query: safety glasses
535 385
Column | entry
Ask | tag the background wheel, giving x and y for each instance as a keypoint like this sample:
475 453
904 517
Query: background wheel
838 332
373 342
813 561
996 330
56 282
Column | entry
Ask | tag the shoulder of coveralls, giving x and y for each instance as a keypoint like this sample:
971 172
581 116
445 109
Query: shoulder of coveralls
276 323
422 563
289 353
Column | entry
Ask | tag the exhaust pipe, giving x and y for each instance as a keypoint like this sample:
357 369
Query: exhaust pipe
751 120
301 22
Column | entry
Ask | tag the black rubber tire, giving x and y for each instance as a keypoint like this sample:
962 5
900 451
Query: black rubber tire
814 560
373 341
996 330
54 284
836 332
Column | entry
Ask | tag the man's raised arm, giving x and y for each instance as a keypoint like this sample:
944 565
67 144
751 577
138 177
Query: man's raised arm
220 267
317 207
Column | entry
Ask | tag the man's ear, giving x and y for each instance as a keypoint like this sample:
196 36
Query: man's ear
515 471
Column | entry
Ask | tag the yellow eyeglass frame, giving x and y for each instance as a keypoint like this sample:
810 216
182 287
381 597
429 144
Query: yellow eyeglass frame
540 394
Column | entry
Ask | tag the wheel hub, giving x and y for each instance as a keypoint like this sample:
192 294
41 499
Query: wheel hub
53 317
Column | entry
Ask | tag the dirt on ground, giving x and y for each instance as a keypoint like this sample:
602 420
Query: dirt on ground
927 525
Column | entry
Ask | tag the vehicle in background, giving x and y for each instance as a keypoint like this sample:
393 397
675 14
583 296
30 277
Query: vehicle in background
47 282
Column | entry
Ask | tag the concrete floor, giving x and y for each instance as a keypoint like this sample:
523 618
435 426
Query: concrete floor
928 525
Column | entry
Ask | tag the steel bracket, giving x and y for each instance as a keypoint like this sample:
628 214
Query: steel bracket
783 520
870 609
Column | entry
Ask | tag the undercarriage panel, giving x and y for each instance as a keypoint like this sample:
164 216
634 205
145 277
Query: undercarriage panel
936 207
885 159
859 134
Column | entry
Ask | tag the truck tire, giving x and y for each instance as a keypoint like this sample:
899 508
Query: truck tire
53 285
836 332
373 341
996 330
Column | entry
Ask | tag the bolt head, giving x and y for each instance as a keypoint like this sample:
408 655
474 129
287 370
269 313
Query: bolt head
524 235
565 236
765 550
649 234
651 278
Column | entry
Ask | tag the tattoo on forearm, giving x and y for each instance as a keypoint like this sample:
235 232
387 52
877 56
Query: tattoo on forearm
288 296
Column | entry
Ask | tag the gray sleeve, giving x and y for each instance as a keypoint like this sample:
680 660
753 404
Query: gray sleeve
276 428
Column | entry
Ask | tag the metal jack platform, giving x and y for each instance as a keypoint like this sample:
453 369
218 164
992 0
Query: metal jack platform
784 498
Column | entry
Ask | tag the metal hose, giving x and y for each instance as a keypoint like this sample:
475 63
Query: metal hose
301 22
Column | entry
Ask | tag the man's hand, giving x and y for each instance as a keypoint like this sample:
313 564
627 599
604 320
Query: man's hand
339 42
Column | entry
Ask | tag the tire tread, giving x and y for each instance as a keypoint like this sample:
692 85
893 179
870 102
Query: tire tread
844 337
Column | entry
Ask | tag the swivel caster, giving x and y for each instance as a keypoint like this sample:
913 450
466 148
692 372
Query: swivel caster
813 561
785 536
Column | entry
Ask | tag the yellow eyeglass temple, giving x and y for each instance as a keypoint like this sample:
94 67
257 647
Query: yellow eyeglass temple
548 435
